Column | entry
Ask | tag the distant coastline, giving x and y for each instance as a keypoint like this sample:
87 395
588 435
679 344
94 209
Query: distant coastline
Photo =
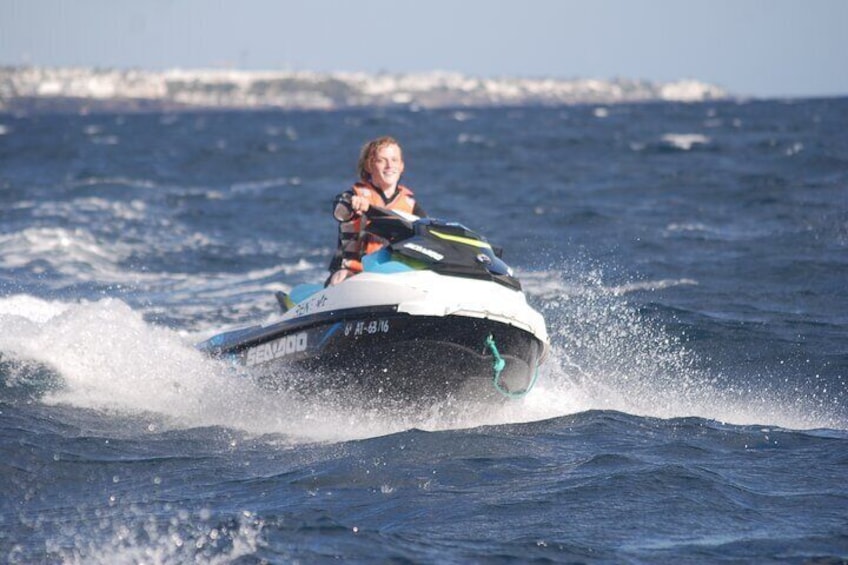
81 90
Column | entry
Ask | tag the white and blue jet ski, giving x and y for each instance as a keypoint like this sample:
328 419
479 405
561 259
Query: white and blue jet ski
435 313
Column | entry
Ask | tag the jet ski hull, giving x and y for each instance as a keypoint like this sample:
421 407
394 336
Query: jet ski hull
382 353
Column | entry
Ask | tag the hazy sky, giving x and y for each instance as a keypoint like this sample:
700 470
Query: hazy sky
750 47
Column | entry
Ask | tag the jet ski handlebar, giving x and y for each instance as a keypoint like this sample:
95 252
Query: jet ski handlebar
390 225
380 212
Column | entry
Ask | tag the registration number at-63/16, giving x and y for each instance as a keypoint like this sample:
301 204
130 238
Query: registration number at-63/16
366 327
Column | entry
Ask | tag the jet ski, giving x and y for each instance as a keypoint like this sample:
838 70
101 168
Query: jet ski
436 313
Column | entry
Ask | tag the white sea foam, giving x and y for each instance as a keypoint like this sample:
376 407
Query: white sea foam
109 358
627 288
30 309
735 232
604 356
685 141
80 208
474 139
119 180
262 185
551 285
83 258
72 252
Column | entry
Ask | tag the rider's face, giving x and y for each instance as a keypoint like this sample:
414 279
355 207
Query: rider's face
386 167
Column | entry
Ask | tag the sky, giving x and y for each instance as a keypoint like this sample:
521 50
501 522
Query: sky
762 48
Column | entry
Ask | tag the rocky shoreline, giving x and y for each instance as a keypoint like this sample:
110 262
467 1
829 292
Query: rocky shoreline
36 89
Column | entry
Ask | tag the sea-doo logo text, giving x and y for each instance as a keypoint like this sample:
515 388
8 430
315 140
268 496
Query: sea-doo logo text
434 255
275 349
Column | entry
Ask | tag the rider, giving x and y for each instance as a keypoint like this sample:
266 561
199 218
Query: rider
380 167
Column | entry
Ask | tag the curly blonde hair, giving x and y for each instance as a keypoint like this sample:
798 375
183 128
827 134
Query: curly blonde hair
369 150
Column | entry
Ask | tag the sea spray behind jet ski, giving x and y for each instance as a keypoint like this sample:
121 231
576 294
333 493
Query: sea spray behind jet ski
435 313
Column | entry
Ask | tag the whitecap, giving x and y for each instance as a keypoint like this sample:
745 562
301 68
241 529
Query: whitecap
76 252
261 185
661 284
472 139
685 141
461 116
30 308
116 180
606 355
794 149
687 227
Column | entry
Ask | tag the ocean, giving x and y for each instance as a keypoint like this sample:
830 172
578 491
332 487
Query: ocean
690 259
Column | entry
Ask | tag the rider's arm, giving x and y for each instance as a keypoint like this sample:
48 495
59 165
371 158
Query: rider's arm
342 208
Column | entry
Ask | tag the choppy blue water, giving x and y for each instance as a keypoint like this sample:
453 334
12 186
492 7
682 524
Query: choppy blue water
691 261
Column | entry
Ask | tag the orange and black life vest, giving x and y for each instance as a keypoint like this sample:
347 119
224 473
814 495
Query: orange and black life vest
352 242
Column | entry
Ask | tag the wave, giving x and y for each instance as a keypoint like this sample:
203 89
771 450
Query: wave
106 356
685 141
123 265
312 495
609 355
69 251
